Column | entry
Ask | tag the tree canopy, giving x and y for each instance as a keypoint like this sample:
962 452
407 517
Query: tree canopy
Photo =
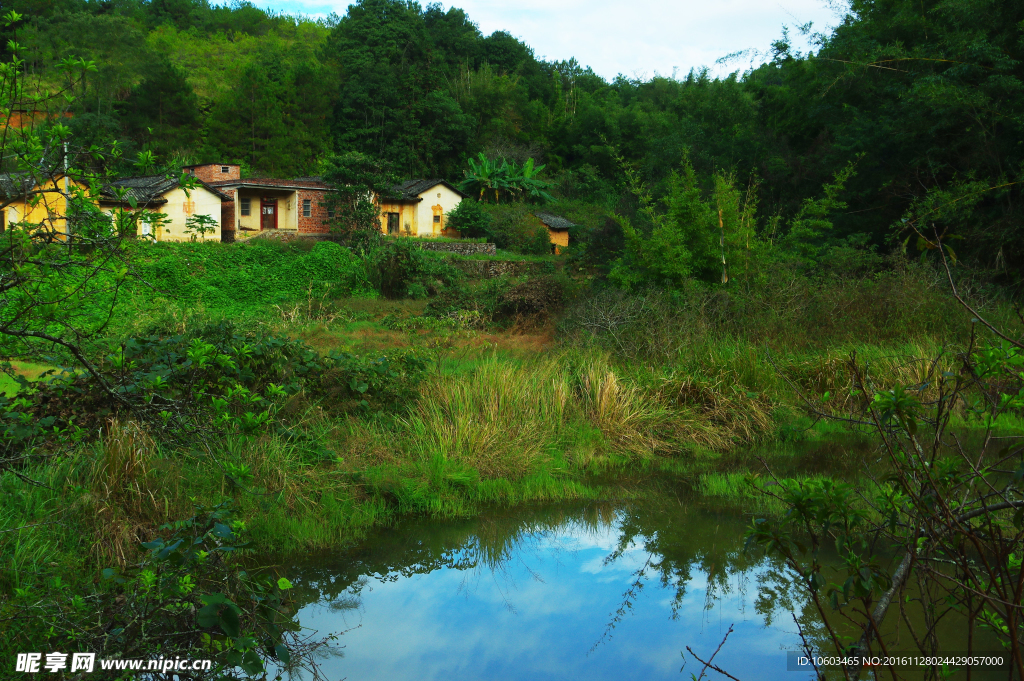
924 96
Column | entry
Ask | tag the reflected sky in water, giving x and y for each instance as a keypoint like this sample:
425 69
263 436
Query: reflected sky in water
530 599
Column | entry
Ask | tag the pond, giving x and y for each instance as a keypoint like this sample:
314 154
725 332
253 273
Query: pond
598 591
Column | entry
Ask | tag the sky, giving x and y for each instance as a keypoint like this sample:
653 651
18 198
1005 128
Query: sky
635 38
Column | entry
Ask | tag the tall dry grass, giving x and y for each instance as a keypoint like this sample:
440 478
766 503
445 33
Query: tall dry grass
123 493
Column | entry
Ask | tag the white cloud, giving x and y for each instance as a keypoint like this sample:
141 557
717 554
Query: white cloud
638 38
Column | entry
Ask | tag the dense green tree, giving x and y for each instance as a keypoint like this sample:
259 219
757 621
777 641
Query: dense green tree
358 180
162 112
925 95
276 115
394 60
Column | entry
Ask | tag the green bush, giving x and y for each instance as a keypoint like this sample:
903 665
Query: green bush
214 377
398 268
470 219
188 594
513 228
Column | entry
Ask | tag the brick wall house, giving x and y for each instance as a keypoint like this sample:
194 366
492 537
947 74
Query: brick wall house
258 204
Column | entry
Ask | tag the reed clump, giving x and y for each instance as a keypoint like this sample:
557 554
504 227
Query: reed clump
122 490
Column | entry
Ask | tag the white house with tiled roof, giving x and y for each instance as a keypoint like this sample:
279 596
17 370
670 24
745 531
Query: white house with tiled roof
419 208
160 194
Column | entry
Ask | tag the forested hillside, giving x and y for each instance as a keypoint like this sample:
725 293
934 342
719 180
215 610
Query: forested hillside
924 98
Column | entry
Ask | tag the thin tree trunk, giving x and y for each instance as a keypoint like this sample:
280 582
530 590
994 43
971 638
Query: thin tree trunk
721 227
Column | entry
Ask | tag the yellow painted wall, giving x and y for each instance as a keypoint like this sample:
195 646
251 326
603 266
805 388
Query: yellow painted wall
179 206
559 237
287 213
417 219
47 208
407 217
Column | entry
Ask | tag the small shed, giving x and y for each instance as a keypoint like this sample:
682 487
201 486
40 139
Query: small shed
558 230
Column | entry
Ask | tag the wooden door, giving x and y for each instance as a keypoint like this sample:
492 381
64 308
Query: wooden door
393 223
268 214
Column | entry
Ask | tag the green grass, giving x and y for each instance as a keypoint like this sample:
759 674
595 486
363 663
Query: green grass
10 387
498 421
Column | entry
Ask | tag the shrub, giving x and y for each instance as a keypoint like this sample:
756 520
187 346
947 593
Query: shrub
514 229
399 268
470 219
393 265
213 379
535 297
235 277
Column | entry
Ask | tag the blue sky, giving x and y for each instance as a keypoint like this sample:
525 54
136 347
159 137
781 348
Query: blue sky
640 38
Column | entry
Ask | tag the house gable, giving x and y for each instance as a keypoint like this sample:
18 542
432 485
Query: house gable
419 208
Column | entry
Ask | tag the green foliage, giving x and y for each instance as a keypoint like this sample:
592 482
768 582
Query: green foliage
514 228
421 88
234 278
273 117
812 224
934 503
356 180
186 595
393 56
696 237
214 378
489 179
398 267
162 112
199 225
470 219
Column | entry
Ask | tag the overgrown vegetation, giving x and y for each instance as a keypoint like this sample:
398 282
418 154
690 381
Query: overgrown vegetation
169 402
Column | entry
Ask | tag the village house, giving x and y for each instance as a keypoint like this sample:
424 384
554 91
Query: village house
255 205
39 204
160 194
558 230
419 208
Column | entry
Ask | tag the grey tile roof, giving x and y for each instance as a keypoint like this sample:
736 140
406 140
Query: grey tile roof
410 190
149 189
554 221
13 186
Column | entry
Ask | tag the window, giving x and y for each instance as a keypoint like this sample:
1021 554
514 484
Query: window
306 208
330 212
246 207
225 170
437 219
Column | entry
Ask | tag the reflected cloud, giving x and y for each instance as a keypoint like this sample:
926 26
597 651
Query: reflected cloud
514 597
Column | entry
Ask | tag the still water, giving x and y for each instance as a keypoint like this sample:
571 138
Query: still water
595 592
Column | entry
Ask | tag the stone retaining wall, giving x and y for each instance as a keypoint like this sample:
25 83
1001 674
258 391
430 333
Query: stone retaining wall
488 269
460 247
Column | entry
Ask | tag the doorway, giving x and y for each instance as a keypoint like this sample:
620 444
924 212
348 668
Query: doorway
392 223
268 214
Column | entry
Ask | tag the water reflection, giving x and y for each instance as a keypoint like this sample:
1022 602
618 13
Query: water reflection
601 592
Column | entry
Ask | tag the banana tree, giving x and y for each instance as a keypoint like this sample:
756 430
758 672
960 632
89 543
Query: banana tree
485 175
